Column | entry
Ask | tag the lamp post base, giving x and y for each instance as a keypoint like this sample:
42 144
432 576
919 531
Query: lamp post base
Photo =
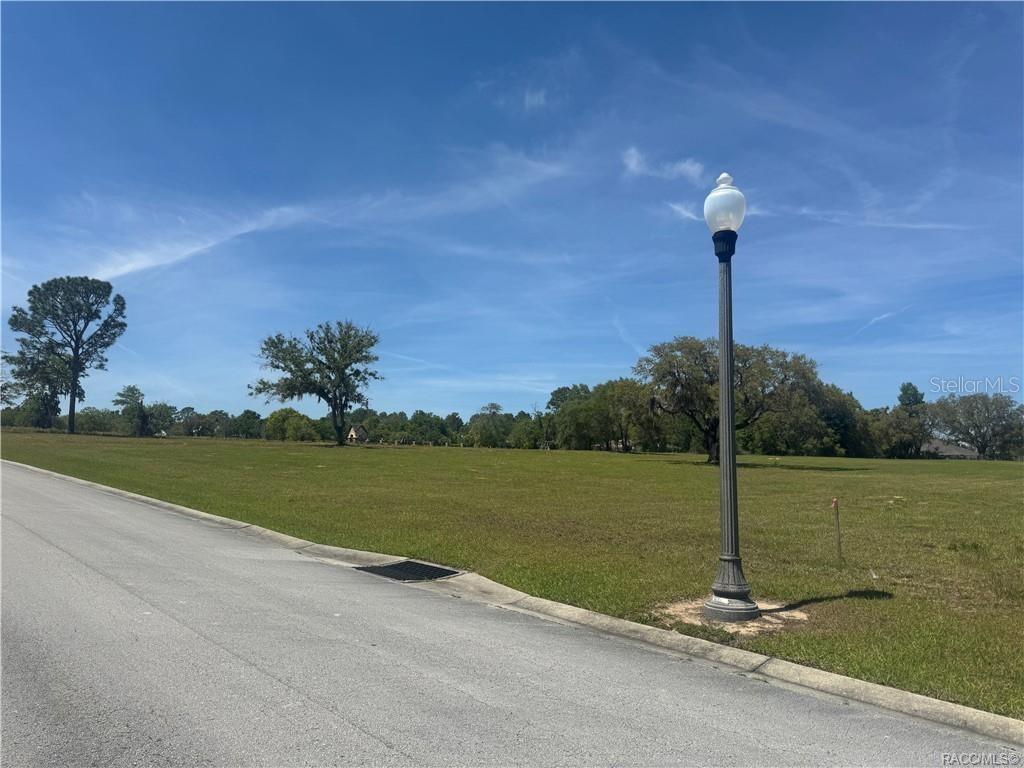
730 609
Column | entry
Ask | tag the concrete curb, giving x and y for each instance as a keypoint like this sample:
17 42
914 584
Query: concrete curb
479 588
349 557
664 638
997 726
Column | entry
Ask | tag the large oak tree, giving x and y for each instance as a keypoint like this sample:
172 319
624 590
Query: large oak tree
991 424
684 373
331 363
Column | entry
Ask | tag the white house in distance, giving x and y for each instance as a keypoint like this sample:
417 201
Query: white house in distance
358 434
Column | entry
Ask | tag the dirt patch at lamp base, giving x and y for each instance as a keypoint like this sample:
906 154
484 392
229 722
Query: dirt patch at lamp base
774 617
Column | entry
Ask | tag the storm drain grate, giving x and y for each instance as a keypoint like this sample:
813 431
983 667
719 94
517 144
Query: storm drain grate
409 570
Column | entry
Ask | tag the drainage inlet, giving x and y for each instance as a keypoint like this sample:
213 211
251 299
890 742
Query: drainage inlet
409 570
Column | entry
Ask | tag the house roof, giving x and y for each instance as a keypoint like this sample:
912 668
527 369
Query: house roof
943 448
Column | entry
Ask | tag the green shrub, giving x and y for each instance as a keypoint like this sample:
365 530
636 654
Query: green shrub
276 427
301 428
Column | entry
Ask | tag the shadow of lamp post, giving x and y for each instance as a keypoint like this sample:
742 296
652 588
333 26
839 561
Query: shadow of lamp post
724 210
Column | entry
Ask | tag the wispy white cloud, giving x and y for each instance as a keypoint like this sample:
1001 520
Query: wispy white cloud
501 177
116 238
415 364
487 252
161 252
493 383
898 224
535 99
950 64
684 211
635 164
542 83
852 219
714 80
625 336
880 318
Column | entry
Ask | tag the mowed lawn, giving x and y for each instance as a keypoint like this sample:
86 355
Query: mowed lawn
936 548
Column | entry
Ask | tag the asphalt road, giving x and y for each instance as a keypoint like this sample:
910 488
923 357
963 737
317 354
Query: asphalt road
135 636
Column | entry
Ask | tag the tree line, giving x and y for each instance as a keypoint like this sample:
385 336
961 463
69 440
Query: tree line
670 403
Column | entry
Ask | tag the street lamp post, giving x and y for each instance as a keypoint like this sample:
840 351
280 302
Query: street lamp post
724 210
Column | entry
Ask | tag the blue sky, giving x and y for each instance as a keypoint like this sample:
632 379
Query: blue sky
511 195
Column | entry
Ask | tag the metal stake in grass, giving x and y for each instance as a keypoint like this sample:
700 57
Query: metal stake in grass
839 535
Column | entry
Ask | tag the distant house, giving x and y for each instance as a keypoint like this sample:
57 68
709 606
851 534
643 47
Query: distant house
940 449
358 434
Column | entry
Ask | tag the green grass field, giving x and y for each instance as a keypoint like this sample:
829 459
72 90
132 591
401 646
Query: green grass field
621 534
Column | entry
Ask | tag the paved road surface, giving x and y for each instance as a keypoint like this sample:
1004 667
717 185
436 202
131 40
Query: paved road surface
134 636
